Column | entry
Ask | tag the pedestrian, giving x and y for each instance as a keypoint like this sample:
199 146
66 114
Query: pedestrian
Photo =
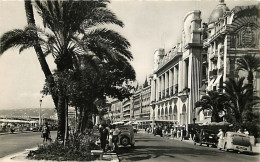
246 132
45 132
103 137
220 137
178 133
115 138
184 132
239 131
110 140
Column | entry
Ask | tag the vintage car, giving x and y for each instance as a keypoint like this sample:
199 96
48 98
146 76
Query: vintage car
206 136
235 141
126 137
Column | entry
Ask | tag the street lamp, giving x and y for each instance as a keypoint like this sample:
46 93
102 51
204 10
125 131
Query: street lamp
153 117
40 112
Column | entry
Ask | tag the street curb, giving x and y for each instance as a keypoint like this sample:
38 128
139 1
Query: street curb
21 157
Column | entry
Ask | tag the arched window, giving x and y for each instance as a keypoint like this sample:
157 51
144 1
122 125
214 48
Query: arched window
170 110
158 111
162 112
184 108
175 112
166 111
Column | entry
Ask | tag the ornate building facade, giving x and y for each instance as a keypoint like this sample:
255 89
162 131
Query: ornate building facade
203 60
175 80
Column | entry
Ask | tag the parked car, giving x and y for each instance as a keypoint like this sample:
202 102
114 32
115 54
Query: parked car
235 141
126 137
158 131
206 136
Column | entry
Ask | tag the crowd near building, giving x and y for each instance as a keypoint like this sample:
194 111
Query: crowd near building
202 61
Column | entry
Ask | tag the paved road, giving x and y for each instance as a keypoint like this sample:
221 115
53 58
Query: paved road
158 149
13 143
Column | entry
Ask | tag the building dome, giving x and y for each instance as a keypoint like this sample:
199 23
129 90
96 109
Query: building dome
218 12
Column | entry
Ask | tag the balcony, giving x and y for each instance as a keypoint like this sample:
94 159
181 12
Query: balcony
204 60
221 52
213 73
214 57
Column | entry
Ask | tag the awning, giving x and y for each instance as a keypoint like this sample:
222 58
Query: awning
210 83
217 80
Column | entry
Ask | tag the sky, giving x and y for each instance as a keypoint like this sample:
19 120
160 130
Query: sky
149 25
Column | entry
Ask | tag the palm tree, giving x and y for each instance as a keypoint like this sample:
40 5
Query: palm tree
240 97
250 64
72 29
214 102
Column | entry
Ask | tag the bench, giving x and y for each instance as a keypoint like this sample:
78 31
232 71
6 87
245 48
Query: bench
97 152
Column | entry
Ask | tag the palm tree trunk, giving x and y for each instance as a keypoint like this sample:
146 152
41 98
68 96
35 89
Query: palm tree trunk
61 117
45 67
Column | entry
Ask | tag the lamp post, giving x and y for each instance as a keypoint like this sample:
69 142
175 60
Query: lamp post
40 112
153 117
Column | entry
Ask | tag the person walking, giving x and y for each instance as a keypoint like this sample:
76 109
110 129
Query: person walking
246 132
45 132
220 137
184 132
115 138
103 137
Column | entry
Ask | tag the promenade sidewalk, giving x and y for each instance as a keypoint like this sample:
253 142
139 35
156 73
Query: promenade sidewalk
21 157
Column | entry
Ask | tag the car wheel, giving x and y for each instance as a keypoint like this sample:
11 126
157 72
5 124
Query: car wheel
125 141
207 145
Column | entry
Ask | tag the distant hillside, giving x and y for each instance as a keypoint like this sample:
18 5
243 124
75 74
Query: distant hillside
28 112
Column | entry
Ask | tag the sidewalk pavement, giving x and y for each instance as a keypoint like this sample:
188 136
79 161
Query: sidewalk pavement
21 157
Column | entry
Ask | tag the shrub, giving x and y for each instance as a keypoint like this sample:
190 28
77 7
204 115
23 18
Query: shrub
78 147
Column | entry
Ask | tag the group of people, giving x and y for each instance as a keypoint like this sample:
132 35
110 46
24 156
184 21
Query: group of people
109 137
168 130
46 134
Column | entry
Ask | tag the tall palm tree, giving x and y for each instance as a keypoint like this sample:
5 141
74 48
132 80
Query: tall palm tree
72 29
214 102
250 64
240 97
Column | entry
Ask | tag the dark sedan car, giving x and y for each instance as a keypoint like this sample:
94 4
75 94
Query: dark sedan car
207 137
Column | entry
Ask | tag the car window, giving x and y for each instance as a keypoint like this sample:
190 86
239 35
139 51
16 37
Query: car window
238 135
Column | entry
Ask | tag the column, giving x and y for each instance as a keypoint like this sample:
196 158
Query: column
170 81
158 87
175 78
166 84
153 90
162 86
